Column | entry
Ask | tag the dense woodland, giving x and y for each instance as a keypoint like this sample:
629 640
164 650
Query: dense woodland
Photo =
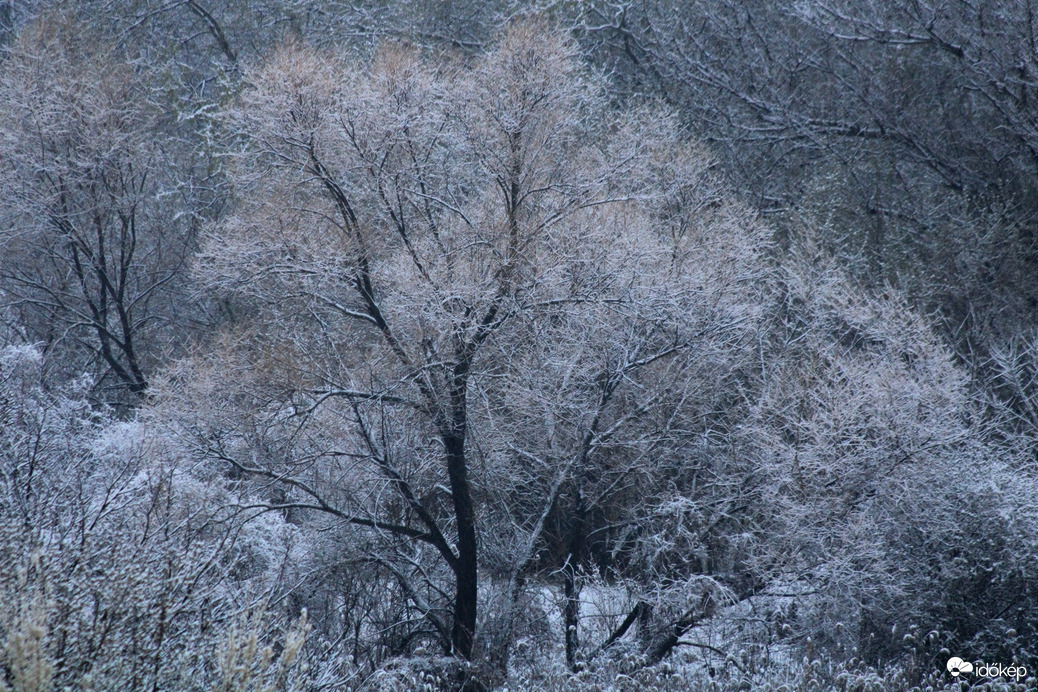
518 345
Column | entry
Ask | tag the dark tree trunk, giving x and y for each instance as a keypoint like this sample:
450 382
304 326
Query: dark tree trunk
670 636
464 623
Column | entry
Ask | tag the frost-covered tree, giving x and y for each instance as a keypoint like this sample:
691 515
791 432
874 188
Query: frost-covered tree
94 225
896 504
905 131
483 306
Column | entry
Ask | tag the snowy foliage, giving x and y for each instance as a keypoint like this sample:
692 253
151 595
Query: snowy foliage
400 346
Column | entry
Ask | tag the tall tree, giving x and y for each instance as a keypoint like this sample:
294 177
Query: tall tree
463 276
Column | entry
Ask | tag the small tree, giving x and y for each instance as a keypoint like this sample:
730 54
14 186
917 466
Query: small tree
93 240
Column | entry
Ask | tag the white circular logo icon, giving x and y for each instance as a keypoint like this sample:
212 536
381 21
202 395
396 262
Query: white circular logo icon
956 666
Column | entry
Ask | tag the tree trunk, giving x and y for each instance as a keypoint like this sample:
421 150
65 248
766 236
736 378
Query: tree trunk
571 609
571 614
464 623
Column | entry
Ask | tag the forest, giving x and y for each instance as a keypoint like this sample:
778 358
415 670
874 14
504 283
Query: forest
556 345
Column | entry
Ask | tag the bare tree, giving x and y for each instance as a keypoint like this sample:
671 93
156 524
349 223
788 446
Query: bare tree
479 296
867 439
903 131
93 240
